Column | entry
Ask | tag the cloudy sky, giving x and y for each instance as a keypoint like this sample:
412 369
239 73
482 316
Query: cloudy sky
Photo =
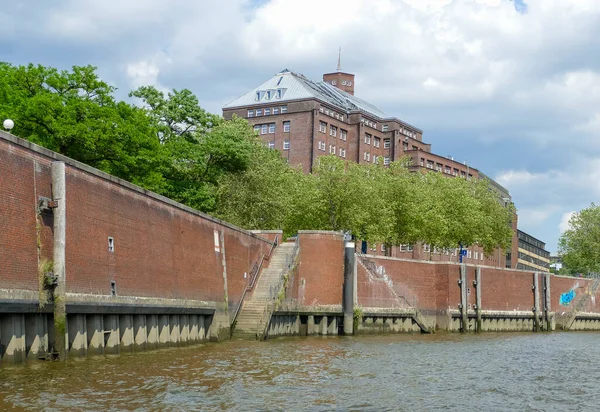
511 86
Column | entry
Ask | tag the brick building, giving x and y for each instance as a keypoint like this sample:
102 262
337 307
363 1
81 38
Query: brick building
304 120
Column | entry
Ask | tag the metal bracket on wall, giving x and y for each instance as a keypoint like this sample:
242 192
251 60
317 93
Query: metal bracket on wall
46 204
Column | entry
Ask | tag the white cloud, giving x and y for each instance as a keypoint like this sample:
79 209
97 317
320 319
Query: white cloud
564 221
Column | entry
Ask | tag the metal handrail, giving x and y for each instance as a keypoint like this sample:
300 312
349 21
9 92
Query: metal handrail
256 268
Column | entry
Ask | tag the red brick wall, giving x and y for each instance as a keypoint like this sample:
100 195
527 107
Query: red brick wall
22 179
507 290
320 276
160 249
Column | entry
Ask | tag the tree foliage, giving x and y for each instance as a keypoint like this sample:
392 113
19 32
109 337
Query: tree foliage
580 244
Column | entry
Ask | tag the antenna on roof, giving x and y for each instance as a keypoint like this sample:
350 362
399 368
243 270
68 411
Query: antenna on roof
339 66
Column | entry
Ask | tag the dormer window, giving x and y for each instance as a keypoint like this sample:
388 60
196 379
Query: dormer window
257 97
268 94
278 93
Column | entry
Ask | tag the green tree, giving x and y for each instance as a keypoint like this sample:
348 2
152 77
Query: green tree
74 113
580 244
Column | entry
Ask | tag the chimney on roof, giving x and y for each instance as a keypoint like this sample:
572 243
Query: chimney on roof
340 79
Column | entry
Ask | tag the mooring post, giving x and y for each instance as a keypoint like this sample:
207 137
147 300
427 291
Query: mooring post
478 296
536 302
60 221
547 308
349 264
463 299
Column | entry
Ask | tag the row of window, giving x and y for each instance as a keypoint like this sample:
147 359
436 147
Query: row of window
408 133
269 94
445 169
267 128
286 145
377 141
427 248
344 82
369 123
367 157
267 111
333 131
331 113
332 149
405 147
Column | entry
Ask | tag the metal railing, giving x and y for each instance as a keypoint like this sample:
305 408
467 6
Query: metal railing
254 273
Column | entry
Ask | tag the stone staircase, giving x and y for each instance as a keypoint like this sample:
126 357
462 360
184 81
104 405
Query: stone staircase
255 314
566 321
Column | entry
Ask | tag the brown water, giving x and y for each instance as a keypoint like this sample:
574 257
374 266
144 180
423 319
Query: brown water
489 372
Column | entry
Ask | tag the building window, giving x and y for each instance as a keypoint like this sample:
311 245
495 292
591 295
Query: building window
331 149
333 82
286 145
448 170
275 110
376 141
476 255
267 112
386 161
343 134
384 128
430 164
374 158
283 109
462 173
455 173
286 126
272 128
333 131
426 248
342 152
257 129
268 94
367 156
367 138
271 145
257 96
279 93
259 112
386 143
438 167
322 146
323 127
343 82
250 113
481 255
415 148
405 147
321 109
383 247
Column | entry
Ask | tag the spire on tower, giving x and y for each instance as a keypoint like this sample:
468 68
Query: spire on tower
339 66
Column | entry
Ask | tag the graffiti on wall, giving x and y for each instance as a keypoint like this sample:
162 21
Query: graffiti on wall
568 297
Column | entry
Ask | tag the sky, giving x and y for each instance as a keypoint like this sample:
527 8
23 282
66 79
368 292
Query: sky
510 86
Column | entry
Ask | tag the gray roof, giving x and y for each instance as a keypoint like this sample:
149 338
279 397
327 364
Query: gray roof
287 85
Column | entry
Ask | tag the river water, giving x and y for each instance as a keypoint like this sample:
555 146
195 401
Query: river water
488 372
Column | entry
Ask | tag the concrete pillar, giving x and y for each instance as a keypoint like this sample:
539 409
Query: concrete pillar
397 325
111 334
464 318
184 324
349 276
193 337
297 324
547 299
95 334
58 255
203 325
406 325
126 332
310 325
164 333
174 330
12 338
77 331
536 302
478 298
333 327
140 332
36 335
152 328
388 325
323 325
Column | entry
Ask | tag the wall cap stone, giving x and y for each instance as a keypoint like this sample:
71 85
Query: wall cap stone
321 232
